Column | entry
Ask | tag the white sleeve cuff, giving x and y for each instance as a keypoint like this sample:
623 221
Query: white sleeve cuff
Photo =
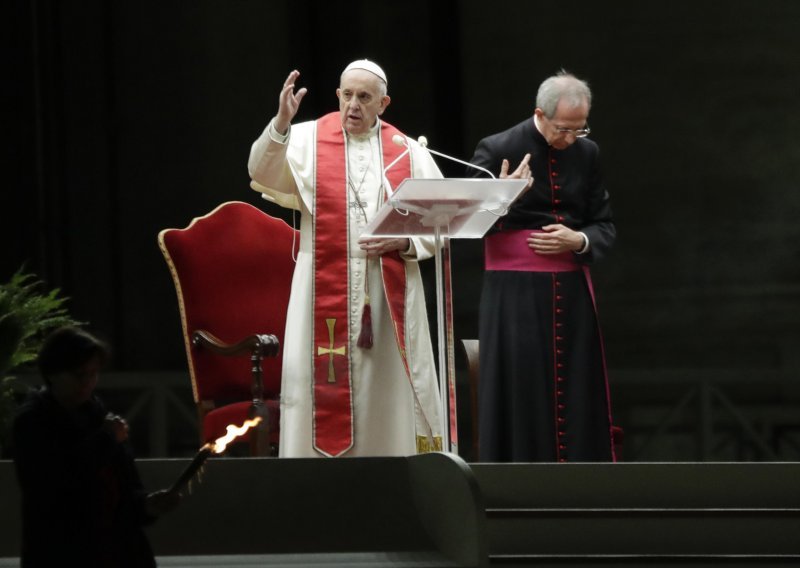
411 252
585 247
277 136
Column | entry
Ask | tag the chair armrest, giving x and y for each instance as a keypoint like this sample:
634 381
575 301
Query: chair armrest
266 345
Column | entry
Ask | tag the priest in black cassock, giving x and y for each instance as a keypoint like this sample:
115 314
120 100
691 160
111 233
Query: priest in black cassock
543 394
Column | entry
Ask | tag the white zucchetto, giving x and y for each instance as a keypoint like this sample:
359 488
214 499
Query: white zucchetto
367 65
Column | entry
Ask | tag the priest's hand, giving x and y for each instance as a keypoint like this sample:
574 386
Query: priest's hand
379 246
523 171
288 103
162 501
116 427
555 240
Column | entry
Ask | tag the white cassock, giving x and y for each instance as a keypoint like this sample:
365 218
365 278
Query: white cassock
390 417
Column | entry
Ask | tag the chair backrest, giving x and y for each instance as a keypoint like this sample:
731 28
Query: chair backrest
232 271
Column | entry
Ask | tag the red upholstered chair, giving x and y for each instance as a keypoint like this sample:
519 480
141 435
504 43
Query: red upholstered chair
232 271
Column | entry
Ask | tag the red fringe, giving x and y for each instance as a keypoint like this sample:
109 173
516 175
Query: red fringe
365 337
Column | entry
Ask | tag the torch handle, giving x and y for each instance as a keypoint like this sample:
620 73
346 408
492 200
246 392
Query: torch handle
191 470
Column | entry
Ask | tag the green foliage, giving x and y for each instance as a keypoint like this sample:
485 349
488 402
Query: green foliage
26 315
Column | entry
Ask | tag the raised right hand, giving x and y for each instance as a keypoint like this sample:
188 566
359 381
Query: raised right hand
523 171
288 103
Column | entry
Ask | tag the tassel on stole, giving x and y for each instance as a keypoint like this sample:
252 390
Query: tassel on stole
365 336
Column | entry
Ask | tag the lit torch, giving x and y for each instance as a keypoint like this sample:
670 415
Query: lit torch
216 447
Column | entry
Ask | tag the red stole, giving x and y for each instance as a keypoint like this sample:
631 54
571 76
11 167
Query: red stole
333 397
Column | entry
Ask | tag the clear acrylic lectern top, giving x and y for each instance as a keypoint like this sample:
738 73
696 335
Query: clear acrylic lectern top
461 208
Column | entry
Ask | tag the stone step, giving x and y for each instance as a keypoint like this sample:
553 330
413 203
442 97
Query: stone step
644 561
643 514
640 485
403 559
644 531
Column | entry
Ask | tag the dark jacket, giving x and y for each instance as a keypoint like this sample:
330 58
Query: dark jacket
83 503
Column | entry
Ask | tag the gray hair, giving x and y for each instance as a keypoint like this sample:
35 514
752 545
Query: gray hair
383 88
562 86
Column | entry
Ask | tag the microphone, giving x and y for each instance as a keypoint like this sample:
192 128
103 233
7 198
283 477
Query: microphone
424 143
400 141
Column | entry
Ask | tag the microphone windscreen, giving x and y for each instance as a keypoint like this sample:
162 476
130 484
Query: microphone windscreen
422 141
397 139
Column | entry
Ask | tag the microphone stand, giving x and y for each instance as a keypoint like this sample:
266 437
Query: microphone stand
424 143
439 218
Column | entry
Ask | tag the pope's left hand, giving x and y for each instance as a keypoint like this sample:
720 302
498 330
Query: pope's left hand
374 246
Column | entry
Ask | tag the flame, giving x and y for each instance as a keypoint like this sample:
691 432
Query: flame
219 445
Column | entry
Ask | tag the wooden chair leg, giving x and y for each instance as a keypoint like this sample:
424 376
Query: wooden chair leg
471 351
259 441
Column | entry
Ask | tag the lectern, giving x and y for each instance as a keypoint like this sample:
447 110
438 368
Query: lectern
449 208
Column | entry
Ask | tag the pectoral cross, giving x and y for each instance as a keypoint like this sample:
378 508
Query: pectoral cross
331 350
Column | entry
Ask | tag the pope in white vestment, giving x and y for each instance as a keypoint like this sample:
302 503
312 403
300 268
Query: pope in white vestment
392 413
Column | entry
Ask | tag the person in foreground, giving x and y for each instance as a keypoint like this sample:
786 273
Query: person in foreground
83 503
543 391
358 373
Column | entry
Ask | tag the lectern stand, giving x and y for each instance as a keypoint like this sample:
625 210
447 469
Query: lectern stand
445 209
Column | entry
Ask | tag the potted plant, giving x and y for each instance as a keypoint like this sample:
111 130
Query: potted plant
27 313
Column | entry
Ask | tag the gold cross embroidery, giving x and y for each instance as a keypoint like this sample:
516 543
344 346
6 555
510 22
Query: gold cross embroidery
331 351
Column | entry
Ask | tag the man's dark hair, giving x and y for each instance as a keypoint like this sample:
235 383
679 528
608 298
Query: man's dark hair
68 349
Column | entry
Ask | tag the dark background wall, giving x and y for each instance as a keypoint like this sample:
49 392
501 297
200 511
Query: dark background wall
121 119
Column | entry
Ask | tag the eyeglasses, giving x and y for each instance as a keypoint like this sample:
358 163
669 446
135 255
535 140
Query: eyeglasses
577 133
